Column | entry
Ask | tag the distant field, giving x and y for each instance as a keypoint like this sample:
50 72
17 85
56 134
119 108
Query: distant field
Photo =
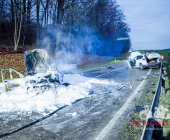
165 53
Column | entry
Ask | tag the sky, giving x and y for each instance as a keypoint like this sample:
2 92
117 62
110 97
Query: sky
149 21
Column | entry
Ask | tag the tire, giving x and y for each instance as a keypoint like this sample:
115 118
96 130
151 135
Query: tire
142 67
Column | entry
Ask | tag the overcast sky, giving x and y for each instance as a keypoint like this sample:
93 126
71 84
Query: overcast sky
149 21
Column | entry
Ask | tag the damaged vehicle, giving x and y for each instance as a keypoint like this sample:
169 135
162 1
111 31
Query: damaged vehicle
41 73
142 61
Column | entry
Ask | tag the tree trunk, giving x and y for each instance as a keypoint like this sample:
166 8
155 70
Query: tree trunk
28 35
47 11
71 25
17 29
54 14
60 11
28 11
38 25
60 14
12 12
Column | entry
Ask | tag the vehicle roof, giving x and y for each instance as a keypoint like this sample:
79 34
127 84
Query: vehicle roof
134 54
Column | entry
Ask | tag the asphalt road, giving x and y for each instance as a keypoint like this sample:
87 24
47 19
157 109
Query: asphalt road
101 116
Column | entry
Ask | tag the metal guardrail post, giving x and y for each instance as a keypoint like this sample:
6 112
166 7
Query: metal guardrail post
163 86
163 82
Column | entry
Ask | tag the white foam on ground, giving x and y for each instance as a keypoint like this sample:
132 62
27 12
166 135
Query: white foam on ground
71 114
19 100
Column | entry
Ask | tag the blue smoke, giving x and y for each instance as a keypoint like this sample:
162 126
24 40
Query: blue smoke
86 41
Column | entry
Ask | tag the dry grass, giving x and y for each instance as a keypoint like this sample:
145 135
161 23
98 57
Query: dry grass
14 61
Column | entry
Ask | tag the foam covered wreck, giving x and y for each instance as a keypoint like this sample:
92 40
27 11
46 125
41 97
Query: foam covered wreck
41 73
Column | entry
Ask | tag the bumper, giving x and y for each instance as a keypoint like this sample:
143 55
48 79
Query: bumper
154 64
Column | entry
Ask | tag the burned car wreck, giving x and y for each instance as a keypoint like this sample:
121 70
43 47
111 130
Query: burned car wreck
41 73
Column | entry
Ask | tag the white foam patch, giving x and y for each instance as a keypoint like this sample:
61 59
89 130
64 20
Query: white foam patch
71 114
19 100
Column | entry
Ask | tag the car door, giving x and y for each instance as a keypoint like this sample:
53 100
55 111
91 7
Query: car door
138 60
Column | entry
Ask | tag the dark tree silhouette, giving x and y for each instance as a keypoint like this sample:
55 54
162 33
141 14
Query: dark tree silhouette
91 26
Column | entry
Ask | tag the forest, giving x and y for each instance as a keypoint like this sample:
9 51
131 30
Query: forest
83 26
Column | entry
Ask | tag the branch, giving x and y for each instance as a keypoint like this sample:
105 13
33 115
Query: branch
67 6
42 4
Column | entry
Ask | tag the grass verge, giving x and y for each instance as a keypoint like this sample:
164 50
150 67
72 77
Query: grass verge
165 98
104 63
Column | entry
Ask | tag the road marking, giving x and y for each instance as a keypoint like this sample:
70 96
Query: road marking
110 71
103 66
114 120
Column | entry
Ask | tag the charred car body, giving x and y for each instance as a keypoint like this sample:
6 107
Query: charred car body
142 61
41 73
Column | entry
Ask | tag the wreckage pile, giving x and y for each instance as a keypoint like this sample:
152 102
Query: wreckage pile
40 70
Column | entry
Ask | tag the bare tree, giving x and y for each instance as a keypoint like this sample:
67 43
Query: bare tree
60 14
18 24
45 11
38 24
71 22
12 12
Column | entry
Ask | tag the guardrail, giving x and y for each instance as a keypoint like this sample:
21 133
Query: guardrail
153 131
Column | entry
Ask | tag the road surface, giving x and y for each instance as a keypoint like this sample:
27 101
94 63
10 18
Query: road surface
100 116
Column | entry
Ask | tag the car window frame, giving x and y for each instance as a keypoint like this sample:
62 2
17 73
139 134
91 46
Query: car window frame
139 58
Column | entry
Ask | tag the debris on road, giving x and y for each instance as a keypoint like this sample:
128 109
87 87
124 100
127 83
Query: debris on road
123 86
139 108
145 77
110 68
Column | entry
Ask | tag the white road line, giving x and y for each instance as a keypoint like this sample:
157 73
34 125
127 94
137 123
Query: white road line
102 135
111 71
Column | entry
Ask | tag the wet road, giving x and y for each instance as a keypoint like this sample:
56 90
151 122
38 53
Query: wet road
87 118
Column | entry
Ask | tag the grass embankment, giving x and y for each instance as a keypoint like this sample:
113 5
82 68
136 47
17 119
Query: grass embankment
165 98
99 62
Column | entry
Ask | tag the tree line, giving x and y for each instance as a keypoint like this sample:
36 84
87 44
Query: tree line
91 26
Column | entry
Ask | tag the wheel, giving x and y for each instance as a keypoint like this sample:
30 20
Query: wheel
142 67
